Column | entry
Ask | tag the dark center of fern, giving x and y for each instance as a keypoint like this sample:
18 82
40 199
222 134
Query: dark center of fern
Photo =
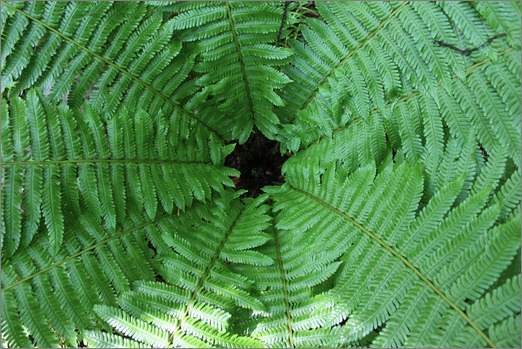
259 161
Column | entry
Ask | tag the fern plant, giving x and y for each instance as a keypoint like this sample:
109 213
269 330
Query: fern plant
398 220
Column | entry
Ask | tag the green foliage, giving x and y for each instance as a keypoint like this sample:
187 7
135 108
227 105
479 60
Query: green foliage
236 61
103 167
398 222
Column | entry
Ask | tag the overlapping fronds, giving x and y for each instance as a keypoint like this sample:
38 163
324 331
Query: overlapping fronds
401 282
108 53
192 307
416 67
301 263
59 163
48 298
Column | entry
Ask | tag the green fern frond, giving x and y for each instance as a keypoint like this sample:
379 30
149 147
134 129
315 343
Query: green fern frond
235 62
58 164
92 267
507 333
387 279
98 339
509 196
199 273
368 45
287 289
395 221
108 53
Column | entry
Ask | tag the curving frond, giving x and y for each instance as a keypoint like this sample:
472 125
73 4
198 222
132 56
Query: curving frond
193 306
402 273
236 63
60 162
399 63
51 296
286 289
108 53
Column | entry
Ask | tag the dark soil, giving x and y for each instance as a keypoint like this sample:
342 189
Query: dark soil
259 161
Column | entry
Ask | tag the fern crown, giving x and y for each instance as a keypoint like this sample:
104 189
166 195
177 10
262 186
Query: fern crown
395 221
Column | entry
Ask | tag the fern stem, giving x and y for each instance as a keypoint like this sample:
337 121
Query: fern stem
351 53
102 242
404 260
283 22
241 61
486 60
285 289
205 274
117 67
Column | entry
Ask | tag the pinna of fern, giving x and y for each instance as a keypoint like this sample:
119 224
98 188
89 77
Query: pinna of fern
108 53
51 296
236 62
70 33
